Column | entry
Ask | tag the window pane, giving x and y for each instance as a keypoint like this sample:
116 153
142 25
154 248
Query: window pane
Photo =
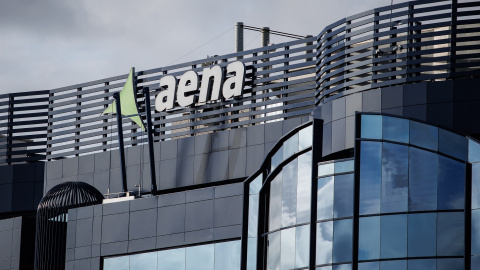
451 184
369 238
393 236
252 215
143 261
275 214
370 177
473 151
290 146
251 254
475 185
371 127
343 198
304 187
289 194
422 264
342 240
325 198
394 178
117 263
342 267
273 260
393 265
452 144
287 249
450 234
422 235
368 266
324 242
395 129
449 264
324 268
171 259
227 255
305 138
277 158
476 232
423 135
200 257
302 246
255 185
423 180
475 262
326 169
344 166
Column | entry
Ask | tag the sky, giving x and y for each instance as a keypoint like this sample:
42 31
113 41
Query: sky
49 44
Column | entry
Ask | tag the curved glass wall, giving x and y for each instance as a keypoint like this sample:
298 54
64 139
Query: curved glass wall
412 179
284 182
218 256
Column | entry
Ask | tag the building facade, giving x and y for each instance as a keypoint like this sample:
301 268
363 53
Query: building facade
358 149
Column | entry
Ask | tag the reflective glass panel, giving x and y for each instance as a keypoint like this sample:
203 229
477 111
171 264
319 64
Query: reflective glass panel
171 259
273 260
116 263
144 261
423 180
393 236
342 267
200 257
451 184
252 215
289 194
370 177
275 214
368 266
325 198
475 263
422 264
324 268
290 146
227 255
423 135
277 158
344 166
394 178
395 129
452 144
342 240
449 264
305 138
255 185
475 185
343 198
371 127
450 234
304 187
473 151
476 232
324 243
369 238
326 169
251 254
422 234
393 265
302 246
287 249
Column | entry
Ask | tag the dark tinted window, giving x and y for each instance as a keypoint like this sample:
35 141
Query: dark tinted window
369 238
371 126
393 236
452 144
422 235
395 129
343 198
423 135
394 178
450 234
342 240
423 180
451 184
370 177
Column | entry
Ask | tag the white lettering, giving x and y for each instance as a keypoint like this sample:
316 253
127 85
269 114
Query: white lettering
165 99
187 85
207 88
233 86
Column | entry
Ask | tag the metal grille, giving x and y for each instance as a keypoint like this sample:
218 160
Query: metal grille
51 231
23 125
403 43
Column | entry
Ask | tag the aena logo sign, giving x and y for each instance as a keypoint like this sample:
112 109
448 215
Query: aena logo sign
186 91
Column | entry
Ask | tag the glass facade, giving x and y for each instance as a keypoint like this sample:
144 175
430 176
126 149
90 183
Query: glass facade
224 255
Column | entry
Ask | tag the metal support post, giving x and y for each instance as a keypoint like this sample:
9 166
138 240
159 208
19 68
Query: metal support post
153 185
121 146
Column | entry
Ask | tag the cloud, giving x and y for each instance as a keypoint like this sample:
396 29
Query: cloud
49 44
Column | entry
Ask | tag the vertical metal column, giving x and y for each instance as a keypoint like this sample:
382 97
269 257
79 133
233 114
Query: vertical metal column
239 38
153 185
121 146
265 36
